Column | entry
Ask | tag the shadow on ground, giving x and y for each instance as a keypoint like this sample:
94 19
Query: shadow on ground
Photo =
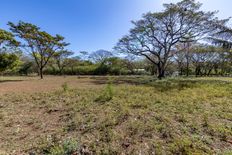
161 85
3 81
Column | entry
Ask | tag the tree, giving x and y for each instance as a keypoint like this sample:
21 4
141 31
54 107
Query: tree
28 65
42 46
180 59
100 55
156 35
61 59
204 58
129 63
183 56
72 63
223 37
7 38
83 55
8 61
112 66
25 68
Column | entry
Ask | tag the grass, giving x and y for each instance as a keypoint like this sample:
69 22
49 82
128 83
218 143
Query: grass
128 115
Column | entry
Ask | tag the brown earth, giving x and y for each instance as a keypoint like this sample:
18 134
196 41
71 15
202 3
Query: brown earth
49 83
24 111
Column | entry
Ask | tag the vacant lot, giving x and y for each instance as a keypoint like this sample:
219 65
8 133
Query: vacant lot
115 115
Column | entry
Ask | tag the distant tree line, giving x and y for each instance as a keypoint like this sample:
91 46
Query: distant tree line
181 40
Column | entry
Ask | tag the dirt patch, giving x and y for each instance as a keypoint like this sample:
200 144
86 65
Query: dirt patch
49 83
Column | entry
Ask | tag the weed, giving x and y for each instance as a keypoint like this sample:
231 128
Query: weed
106 95
182 146
53 145
65 87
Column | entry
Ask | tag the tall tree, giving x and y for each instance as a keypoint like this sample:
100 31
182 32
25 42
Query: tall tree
223 39
204 58
100 55
181 61
156 35
129 63
61 59
42 45
183 56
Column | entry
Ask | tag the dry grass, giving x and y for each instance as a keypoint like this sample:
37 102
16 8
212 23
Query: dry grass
129 115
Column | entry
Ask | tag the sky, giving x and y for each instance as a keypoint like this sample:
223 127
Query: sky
90 25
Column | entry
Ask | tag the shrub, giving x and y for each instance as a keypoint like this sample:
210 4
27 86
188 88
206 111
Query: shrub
68 147
106 95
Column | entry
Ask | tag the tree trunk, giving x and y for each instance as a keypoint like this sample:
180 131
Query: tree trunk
187 73
216 70
41 73
180 68
60 68
187 58
153 70
181 71
161 72
60 71
161 75
197 71
72 70
210 70
38 72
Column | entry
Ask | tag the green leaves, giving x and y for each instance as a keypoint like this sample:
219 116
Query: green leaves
8 38
41 44
8 61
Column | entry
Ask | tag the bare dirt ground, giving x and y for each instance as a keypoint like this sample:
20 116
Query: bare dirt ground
21 84
23 115
49 83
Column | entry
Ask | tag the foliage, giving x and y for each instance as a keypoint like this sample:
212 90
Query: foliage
222 37
8 61
156 34
106 95
61 59
7 38
111 66
41 44
25 69
52 146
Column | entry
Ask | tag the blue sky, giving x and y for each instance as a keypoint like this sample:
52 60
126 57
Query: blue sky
90 25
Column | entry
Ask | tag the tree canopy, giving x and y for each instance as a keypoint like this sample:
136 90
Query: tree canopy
7 38
156 34
42 45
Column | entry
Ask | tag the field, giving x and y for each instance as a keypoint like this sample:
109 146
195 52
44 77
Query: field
115 115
